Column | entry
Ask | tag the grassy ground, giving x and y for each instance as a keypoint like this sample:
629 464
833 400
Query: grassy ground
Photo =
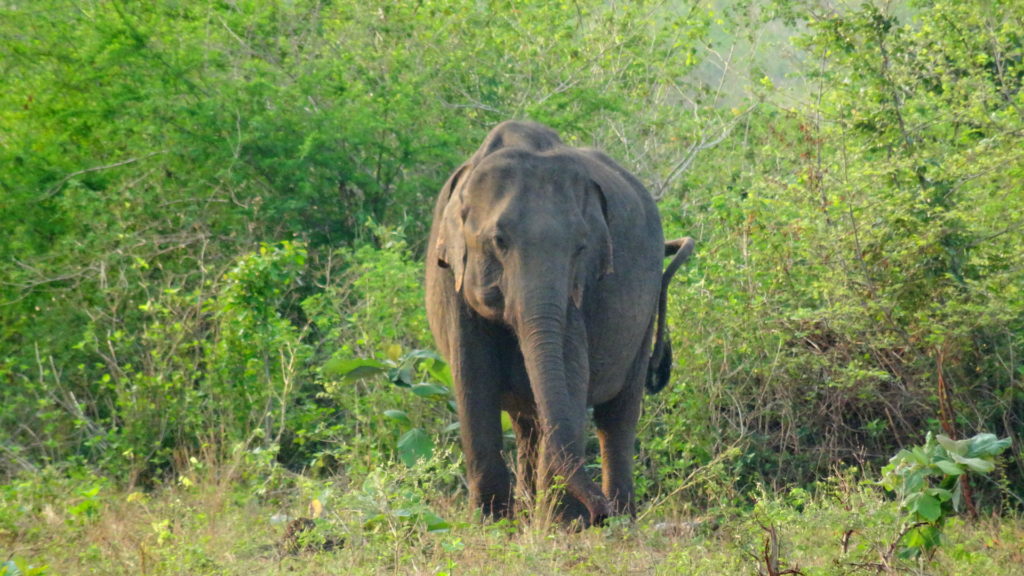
225 522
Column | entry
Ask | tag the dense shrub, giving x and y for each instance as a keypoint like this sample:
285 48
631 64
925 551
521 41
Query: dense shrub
206 204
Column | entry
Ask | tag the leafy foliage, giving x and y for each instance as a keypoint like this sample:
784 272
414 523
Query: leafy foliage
209 207
946 462
415 444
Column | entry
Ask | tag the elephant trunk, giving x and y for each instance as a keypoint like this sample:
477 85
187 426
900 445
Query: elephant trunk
553 345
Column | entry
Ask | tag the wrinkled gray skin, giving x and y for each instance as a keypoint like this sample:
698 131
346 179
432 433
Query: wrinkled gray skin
544 273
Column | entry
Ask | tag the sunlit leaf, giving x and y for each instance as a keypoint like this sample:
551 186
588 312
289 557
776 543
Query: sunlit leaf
927 507
398 416
432 391
350 370
948 467
958 447
415 445
979 465
434 522
986 444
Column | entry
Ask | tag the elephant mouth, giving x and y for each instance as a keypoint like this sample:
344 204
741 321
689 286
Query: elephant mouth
490 302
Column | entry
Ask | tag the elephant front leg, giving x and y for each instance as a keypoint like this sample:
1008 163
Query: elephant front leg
477 376
490 486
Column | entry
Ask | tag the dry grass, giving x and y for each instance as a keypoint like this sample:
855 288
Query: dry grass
216 526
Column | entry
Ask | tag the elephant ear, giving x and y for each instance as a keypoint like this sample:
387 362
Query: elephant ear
603 234
451 245
595 213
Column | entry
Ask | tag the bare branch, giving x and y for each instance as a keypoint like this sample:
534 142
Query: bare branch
696 148
56 187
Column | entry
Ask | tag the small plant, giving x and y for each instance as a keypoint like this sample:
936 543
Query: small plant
402 370
930 481
398 500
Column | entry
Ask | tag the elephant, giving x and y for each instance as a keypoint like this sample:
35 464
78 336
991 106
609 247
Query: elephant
544 289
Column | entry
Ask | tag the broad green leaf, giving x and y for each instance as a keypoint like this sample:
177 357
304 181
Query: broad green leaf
422 354
914 481
453 427
975 464
949 468
415 445
441 372
432 391
402 376
986 444
350 370
434 522
404 513
918 455
958 447
927 507
374 519
398 416
920 539
958 495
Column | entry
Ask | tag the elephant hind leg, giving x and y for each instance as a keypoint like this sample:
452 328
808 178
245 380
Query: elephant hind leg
616 422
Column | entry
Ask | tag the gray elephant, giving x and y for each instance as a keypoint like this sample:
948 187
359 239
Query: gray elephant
544 282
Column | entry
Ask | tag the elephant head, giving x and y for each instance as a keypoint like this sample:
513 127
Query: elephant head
524 235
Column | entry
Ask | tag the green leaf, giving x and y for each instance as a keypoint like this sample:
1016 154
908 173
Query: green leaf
402 376
415 445
927 507
958 447
441 372
374 519
404 513
434 522
423 355
432 391
914 481
350 370
918 455
920 539
949 468
958 495
453 427
986 444
398 416
978 465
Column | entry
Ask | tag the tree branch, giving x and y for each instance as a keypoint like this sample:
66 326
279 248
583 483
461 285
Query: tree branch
696 148
56 187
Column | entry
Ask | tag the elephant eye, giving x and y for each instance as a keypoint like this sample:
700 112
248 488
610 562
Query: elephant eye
500 243
579 249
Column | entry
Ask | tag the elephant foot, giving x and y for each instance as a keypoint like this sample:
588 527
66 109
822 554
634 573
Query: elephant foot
600 513
572 512
496 505
497 509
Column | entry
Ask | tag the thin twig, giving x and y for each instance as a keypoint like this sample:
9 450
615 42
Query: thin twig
56 187
691 153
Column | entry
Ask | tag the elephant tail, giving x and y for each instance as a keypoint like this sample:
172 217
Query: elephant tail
660 367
